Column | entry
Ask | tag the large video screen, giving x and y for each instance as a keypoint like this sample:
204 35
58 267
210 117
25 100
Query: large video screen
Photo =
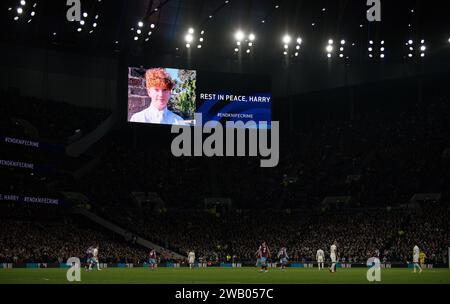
187 97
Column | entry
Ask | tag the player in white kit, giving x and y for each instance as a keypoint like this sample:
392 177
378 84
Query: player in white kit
191 259
95 258
333 257
416 256
320 256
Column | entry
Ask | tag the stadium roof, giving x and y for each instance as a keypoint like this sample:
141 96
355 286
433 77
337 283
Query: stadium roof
168 21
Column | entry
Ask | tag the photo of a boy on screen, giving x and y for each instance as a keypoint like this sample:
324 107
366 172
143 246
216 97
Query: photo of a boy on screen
159 85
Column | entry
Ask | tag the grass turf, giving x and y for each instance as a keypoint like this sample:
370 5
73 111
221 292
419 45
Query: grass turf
222 276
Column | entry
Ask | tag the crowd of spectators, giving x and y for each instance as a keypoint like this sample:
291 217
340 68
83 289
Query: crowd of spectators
43 234
360 233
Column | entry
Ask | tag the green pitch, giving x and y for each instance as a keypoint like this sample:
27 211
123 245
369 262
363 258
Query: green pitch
222 276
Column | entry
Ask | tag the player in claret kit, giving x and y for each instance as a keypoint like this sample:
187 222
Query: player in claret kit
152 259
263 253
89 256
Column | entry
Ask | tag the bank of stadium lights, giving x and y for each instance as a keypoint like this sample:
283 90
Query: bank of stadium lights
421 50
190 38
250 42
382 49
376 51
342 48
201 40
330 48
244 42
287 40
142 31
88 23
24 11
410 46
298 46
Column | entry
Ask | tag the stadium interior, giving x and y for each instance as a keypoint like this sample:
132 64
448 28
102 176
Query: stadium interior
364 145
